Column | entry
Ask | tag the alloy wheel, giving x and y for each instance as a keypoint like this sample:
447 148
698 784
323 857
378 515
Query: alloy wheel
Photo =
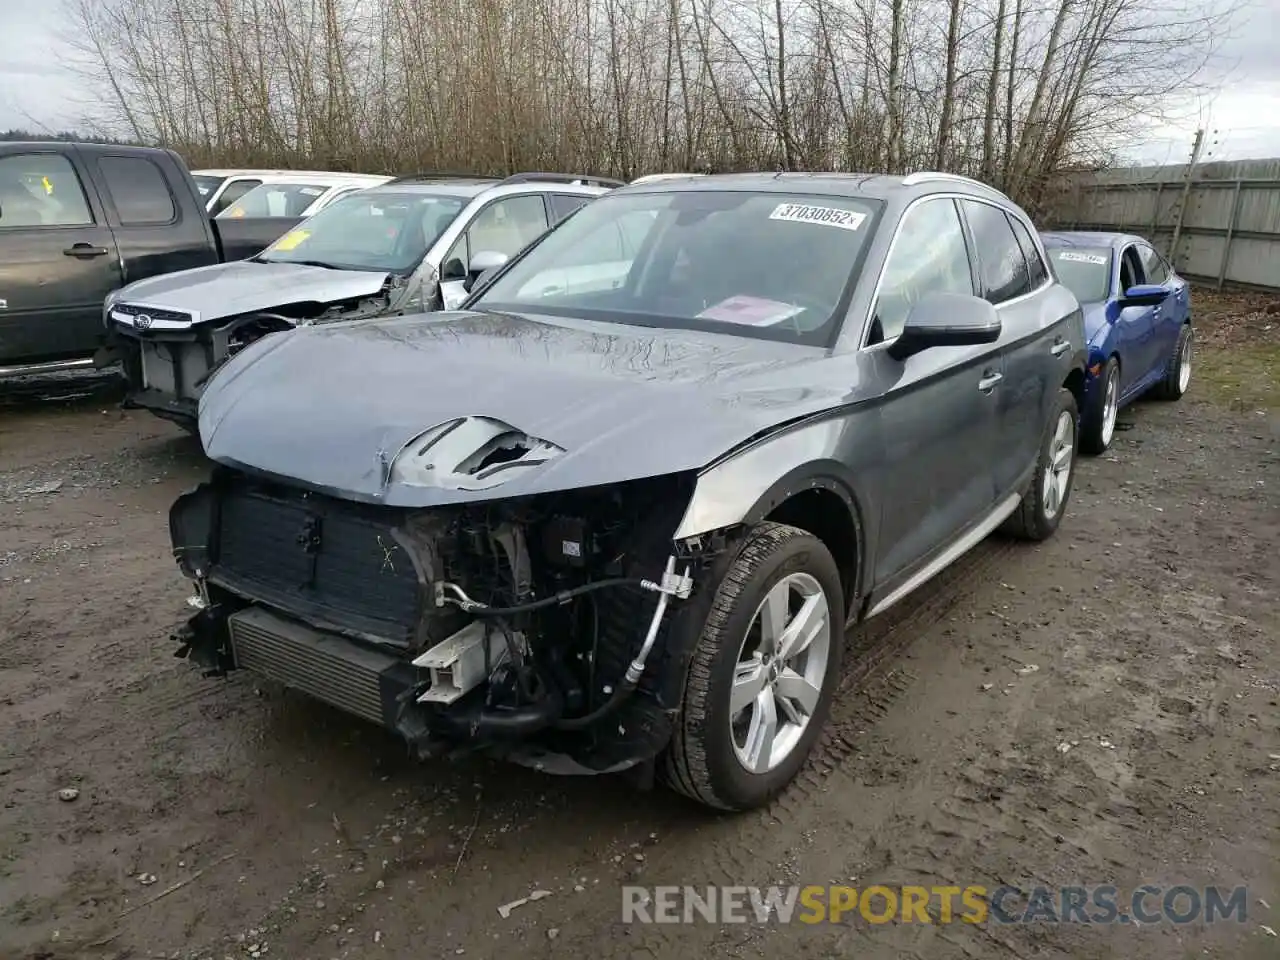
1057 473
781 669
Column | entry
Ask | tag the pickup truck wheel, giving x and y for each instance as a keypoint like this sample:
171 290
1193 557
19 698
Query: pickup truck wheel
1045 500
762 674
1098 423
1177 371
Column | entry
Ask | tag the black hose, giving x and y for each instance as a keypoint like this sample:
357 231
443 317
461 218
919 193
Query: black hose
563 596
620 694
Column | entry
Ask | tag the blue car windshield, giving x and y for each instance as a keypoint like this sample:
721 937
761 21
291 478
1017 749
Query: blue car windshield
1085 271
768 265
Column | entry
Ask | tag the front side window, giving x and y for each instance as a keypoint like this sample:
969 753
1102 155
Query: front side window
207 184
389 232
928 256
235 190
41 190
768 265
505 227
275 200
1085 271
1000 261
1153 265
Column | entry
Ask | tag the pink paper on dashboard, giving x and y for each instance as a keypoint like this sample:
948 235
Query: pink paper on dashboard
751 311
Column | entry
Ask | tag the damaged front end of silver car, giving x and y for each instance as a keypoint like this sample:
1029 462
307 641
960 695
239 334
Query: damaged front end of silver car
549 629
168 356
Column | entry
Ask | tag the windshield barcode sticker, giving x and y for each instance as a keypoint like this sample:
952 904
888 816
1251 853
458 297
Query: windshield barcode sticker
824 216
1070 256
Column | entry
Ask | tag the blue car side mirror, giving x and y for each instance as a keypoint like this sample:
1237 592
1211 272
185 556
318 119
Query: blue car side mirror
1144 295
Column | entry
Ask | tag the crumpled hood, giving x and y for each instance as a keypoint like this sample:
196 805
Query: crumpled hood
228 289
344 407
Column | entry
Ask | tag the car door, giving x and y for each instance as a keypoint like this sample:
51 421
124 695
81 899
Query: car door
58 259
939 412
1014 287
1168 317
1135 331
505 226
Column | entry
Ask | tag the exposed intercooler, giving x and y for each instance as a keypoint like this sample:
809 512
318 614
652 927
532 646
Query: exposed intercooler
343 674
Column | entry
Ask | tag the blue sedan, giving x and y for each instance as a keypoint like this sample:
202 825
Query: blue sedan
1137 313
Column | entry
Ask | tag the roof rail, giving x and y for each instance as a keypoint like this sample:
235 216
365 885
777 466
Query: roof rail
440 175
921 176
585 179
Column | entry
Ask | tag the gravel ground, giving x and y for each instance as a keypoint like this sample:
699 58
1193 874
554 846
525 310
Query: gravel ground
1144 747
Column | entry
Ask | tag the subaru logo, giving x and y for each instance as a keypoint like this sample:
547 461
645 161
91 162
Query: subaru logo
142 321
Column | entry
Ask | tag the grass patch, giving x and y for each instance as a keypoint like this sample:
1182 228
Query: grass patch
1242 376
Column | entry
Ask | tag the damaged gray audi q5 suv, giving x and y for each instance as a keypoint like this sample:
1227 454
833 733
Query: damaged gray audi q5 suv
618 511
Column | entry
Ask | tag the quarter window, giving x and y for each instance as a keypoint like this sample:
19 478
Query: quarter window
1037 272
1153 265
139 190
1001 265
41 190
929 256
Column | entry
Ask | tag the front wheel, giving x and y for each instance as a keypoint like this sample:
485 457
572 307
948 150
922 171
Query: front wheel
1177 371
1045 500
1098 424
763 671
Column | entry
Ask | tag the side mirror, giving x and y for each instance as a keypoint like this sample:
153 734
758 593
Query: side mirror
1144 295
481 263
946 320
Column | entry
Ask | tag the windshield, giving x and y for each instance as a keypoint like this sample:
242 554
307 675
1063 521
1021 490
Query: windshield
206 184
369 231
1085 271
275 200
768 265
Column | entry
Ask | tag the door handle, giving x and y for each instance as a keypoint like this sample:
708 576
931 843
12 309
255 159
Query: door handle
989 381
84 251
1060 347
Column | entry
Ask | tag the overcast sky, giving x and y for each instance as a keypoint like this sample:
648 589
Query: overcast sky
38 90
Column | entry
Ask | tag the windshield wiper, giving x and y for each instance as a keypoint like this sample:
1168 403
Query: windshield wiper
309 263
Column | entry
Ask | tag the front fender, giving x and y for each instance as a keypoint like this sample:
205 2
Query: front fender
749 484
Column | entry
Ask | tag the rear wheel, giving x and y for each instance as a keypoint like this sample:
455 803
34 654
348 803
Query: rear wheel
763 671
1098 425
1177 371
1045 501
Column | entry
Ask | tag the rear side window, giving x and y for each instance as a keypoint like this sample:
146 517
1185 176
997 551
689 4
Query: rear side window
1153 265
139 190
1037 273
563 204
41 190
1001 265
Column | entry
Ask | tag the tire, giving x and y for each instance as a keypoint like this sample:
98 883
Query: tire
1098 424
704 760
1177 370
1033 519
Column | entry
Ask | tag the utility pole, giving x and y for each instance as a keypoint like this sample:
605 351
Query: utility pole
1182 200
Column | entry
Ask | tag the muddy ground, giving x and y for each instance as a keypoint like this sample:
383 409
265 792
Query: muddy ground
277 826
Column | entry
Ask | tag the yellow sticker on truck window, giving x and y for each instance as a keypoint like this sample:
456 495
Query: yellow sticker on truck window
291 239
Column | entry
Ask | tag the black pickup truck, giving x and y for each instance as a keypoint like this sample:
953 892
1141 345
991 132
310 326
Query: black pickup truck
78 220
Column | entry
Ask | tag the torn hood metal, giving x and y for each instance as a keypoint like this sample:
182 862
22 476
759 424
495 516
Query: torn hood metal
401 410
229 289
